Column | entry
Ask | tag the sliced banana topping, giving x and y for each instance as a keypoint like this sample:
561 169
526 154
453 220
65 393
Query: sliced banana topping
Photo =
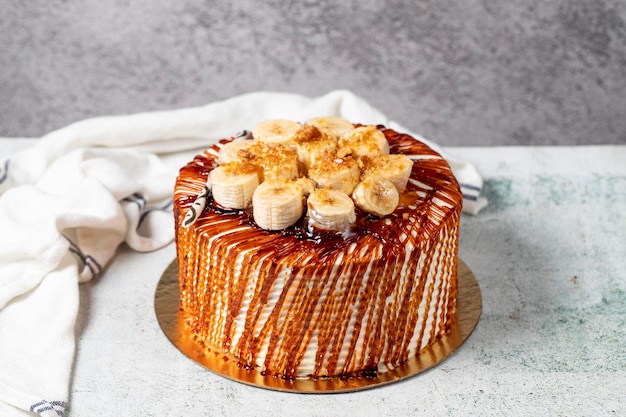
307 184
376 195
338 173
327 160
276 130
366 141
393 167
333 126
275 160
277 204
240 150
313 145
279 160
233 184
329 209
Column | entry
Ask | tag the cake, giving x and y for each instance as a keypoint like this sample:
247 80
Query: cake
317 249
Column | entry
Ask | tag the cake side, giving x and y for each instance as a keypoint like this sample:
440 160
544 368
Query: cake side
303 302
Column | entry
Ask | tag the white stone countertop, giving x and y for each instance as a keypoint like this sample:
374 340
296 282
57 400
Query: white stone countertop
549 253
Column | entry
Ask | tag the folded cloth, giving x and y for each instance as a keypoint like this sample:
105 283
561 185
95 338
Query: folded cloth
70 200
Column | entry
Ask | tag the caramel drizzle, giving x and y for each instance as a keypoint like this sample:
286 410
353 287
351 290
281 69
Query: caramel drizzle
358 307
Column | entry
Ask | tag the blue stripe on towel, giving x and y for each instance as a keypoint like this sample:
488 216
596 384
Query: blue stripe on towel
88 260
470 187
4 171
43 406
136 198
470 192
166 207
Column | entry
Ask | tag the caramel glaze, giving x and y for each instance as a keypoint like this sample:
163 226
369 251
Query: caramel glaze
358 302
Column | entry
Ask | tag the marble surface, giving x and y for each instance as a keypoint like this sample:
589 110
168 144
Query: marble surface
461 72
548 253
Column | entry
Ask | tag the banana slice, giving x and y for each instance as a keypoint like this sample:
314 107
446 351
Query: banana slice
366 141
313 152
240 150
393 167
307 184
277 204
276 130
279 161
376 195
338 173
329 209
233 184
313 145
333 126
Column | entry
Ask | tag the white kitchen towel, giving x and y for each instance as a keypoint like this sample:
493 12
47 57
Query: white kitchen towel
70 200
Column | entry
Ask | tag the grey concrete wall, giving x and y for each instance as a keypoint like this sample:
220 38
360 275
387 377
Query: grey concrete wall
461 72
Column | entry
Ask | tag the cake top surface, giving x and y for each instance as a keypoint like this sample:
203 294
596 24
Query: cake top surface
324 180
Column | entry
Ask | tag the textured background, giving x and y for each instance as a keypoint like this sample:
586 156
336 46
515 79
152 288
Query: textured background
461 72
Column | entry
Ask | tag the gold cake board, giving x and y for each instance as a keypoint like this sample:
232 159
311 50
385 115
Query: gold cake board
469 306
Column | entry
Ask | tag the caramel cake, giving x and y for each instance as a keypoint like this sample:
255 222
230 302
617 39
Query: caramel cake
317 249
